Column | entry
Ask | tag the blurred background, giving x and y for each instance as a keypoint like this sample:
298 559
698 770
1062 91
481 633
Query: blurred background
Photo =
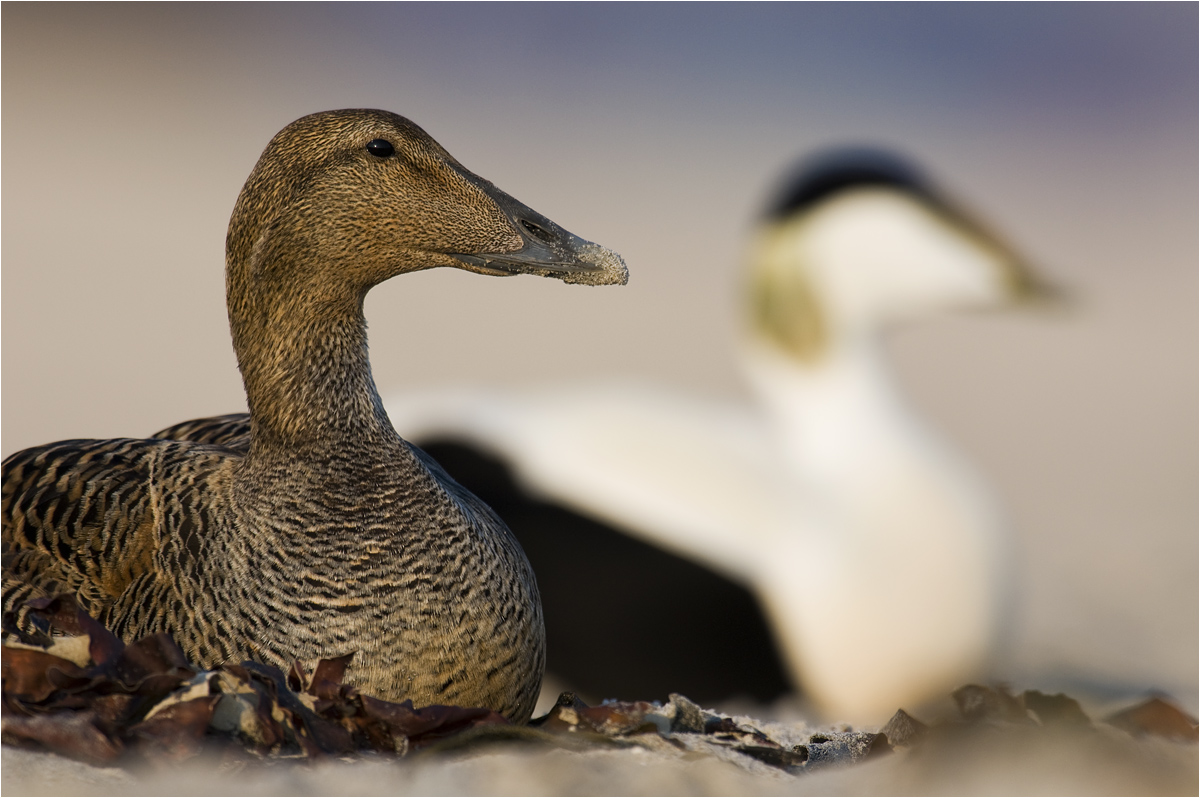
657 130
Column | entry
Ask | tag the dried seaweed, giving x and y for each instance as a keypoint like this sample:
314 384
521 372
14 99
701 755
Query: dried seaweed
145 702
1156 717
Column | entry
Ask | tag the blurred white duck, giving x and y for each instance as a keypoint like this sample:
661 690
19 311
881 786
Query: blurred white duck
875 554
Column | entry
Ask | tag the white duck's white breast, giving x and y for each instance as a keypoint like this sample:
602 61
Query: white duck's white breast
887 582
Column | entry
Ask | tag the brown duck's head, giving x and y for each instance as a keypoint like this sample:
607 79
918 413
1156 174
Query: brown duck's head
342 200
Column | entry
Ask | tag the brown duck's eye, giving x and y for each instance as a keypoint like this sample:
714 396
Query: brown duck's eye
380 148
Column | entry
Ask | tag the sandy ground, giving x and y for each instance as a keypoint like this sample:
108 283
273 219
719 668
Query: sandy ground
1155 767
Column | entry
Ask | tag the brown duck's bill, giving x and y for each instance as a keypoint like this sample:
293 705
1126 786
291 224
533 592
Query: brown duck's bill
586 263
548 250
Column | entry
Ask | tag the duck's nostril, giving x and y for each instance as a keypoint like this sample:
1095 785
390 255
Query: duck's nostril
537 231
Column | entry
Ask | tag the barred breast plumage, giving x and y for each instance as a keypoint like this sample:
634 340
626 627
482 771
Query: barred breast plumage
308 528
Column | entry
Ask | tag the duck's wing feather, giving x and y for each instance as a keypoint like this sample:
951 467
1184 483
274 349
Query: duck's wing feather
86 516
77 519
231 430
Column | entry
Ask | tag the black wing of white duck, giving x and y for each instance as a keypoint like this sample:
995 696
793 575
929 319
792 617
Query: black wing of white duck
309 528
876 554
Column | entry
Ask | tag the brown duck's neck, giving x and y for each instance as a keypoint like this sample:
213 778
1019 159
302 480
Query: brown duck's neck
303 358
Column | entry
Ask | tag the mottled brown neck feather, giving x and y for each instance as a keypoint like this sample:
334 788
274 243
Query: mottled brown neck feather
308 379
295 291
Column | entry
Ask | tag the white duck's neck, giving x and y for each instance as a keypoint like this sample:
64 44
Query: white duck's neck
834 411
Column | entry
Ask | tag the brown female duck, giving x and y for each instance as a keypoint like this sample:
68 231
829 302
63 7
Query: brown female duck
308 528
